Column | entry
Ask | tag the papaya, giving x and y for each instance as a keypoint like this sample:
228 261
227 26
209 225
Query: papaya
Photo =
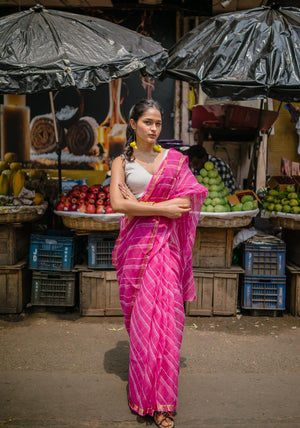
4 184
9 173
38 198
35 174
11 180
18 182
15 165
3 165
10 157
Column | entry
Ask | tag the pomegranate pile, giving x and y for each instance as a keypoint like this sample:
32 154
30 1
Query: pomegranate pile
85 199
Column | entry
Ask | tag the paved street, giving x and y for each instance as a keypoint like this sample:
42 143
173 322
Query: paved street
60 370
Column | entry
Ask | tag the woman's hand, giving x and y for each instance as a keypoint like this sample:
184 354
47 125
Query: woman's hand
126 192
174 208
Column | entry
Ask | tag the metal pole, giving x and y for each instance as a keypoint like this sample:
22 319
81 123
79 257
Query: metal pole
58 144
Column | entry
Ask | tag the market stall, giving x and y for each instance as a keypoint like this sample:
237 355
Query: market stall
20 209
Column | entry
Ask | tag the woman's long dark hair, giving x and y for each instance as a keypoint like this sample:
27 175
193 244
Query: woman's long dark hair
135 113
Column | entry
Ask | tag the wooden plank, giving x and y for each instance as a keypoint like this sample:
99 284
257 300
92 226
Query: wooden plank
225 294
99 293
293 289
15 288
14 243
213 247
112 306
92 293
204 291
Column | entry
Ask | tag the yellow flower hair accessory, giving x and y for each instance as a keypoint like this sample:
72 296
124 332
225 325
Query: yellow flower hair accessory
157 148
133 145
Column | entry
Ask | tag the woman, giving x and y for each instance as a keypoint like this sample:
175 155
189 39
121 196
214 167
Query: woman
161 200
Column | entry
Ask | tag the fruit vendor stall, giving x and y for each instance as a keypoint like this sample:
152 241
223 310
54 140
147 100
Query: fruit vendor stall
216 278
72 266
22 204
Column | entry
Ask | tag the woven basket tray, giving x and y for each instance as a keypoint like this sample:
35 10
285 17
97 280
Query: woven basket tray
85 224
23 214
286 223
224 222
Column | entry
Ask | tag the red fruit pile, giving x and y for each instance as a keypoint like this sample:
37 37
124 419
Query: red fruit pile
85 199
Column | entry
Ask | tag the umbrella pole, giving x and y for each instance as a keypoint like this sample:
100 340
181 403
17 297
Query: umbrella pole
251 180
58 144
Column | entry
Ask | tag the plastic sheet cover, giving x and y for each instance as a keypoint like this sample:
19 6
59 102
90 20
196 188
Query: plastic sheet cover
242 55
43 49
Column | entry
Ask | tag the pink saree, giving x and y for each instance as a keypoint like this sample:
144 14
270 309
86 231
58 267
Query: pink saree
153 259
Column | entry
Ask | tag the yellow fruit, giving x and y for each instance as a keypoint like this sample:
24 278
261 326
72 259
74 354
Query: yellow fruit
11 180
10 157
15 165
38 198
3 165
18 182
35 174
4 184
9 173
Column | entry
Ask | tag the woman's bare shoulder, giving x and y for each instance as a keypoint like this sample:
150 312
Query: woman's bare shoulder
118 161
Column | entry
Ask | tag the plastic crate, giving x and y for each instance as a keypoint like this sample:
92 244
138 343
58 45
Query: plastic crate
53 289
100 249
52 252
264 292
265 260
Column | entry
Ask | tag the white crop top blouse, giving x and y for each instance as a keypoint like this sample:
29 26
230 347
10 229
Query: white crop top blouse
137 177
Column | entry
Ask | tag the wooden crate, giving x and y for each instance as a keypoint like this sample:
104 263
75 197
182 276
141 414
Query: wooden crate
213 248
293 289
292 240
14 243
15 287
99 293
216 290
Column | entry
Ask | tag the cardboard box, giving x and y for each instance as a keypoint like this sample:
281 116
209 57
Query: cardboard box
237 196
280 182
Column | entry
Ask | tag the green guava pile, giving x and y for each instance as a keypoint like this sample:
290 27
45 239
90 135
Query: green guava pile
216 200
287 201
247 203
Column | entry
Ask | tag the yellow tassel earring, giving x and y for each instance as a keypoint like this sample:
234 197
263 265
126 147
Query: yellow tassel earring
133 145
157 148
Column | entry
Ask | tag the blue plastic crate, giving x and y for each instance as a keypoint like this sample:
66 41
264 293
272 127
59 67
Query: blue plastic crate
264 259
52 252
100 248
264 292
53 288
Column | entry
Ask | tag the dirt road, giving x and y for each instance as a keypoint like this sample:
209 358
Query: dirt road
58 369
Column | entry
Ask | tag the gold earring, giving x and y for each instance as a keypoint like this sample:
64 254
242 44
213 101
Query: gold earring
157 148
133 145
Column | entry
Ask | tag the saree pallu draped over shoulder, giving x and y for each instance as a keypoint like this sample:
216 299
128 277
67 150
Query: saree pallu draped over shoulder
153 259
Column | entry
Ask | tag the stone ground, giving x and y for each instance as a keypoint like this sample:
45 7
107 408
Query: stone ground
60 370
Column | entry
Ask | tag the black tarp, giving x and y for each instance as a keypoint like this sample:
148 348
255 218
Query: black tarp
242 55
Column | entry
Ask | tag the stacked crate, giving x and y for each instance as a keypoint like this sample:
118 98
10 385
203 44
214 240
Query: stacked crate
51 259
216 279
14 273
99 290
264 283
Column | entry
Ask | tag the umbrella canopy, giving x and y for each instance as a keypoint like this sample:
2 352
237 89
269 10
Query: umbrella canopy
243 55
43 49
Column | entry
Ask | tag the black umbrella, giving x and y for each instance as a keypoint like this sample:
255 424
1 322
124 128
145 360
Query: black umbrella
243 55
47 50
43 49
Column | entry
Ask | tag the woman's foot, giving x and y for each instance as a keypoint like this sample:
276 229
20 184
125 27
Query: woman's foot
164 419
